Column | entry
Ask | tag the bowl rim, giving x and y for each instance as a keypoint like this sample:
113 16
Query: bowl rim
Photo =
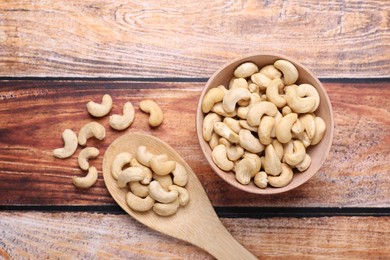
199 114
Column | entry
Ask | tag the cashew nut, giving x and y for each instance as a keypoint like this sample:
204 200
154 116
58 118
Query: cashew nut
283 179
88 180
218 108
261 180
264 131
238 83
307 90
261 80
297 103
234 152
184 196
286 110
271 72
165 181
297 128
121 122
320 130
166 209
100 110
156 115
290 72
139 204
224 131
254 157
245 170
119 162
92 129
308 123
223 88
296 156
208 125
159 194
272 93
85 154
139 189
244 124
180 175
219 157
148 172
143 156
277 118
304 138
254 88
213 96
162 167
232 124
70 145
233 96
278 148
242 112
257 110
130 174
245 70
283 128
249 142
304 164
272 163
214 140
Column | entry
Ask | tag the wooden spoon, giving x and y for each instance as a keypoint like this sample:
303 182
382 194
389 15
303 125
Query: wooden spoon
196 223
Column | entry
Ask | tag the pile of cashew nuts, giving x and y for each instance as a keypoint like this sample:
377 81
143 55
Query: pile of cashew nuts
261 125
154 181
97 130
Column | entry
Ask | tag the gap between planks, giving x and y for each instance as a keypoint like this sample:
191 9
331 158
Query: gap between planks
225 212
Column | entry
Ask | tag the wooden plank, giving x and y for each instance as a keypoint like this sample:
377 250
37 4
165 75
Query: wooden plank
190 39
33 115
87 235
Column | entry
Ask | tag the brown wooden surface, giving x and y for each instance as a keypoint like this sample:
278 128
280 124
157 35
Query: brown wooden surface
89 235
104 38
173 41
33 115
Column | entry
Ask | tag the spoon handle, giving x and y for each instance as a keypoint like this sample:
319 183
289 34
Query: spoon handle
222 245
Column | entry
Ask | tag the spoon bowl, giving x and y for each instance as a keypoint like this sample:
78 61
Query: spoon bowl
196 223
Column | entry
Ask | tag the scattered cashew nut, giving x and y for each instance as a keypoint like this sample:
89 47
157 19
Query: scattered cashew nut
88 180
100 110
121 122
70 145
92 129
156 115
85 155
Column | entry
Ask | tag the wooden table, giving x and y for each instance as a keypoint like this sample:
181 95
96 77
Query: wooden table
55 56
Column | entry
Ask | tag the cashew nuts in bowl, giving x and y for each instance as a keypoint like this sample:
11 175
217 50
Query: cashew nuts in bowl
281 114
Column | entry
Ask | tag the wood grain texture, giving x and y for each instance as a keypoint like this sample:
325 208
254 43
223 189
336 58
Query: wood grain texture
86 235
104 38
33 115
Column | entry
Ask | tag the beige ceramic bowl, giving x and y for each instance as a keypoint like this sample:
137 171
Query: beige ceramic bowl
318 153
